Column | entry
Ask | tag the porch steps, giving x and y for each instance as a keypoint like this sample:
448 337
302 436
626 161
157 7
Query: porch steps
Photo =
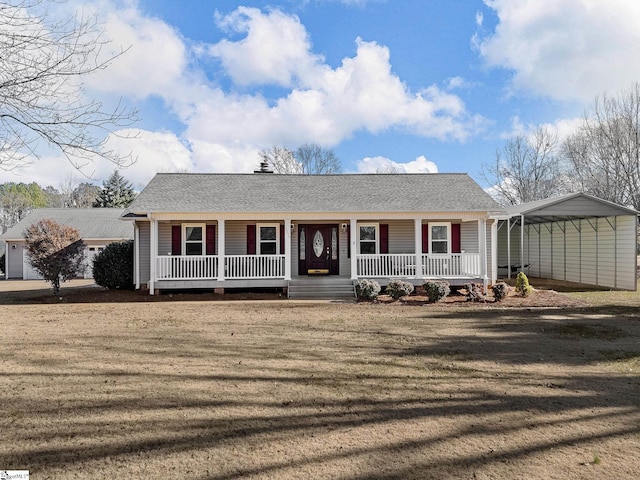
330 288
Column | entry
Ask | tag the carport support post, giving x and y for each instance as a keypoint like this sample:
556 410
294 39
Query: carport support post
509 247
522 243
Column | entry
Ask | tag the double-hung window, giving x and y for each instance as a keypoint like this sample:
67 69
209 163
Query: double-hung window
268 238
439 238
369 241
194 237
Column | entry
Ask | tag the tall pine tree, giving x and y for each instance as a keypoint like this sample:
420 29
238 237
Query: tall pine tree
116 192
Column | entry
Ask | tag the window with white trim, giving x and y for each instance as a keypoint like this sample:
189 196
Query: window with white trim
440 237
268 238
193 235
369 238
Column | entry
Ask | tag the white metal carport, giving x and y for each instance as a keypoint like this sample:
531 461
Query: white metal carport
576 238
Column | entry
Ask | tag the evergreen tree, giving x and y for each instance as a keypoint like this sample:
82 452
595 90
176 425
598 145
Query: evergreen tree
116 192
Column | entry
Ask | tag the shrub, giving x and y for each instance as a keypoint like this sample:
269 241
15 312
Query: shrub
500 291
436 290
522 285
113 267
397 289
475 292
367 289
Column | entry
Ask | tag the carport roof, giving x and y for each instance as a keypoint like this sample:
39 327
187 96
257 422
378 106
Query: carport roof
573 206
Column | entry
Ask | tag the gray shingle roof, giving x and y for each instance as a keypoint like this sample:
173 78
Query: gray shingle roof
98 223
183 192
569 206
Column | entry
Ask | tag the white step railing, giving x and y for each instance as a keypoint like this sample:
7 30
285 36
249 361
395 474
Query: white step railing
186 267
433 265
254 266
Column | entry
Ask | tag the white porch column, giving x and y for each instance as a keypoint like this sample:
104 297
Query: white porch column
287 249
153 253
136 255
221 250
353 225
417 227
482 234
494 251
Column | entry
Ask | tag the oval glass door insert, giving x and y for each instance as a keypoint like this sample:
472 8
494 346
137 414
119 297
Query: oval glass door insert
318 243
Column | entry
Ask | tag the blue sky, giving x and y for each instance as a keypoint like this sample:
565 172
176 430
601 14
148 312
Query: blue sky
421 86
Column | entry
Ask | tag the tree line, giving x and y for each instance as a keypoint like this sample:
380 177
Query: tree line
601 158
18 199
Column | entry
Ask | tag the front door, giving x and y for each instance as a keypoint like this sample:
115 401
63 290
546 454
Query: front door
320 246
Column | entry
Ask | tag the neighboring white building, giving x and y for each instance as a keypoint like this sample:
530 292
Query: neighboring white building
98 227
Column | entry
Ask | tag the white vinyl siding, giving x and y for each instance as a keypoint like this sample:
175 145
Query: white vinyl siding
469 237
145 251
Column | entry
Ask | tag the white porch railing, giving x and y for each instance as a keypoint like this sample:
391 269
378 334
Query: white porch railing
254 266
186 267
197 267
433 265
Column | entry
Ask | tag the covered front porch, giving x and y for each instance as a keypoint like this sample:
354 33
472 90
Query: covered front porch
245 253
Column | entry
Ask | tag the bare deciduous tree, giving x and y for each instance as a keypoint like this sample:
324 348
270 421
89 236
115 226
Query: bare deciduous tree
605 153
308 159
316 160
43 65
55 251
281 159
527 169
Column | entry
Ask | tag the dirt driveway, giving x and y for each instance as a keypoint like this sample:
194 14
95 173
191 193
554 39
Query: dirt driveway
277 389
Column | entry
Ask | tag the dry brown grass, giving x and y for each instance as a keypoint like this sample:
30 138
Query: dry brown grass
276 389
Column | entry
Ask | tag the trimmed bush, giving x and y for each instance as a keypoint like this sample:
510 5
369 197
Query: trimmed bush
522 285
397 289
500 291
436 290
475 292
113 267
367 289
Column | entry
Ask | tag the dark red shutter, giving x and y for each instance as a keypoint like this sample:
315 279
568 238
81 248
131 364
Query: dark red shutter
251 239
425 238
281 239
211 239
176 239
455 238
384 238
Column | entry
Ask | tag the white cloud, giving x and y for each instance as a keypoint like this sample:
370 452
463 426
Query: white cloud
566 49
384 165
562 127
153 152
155 57
275 50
